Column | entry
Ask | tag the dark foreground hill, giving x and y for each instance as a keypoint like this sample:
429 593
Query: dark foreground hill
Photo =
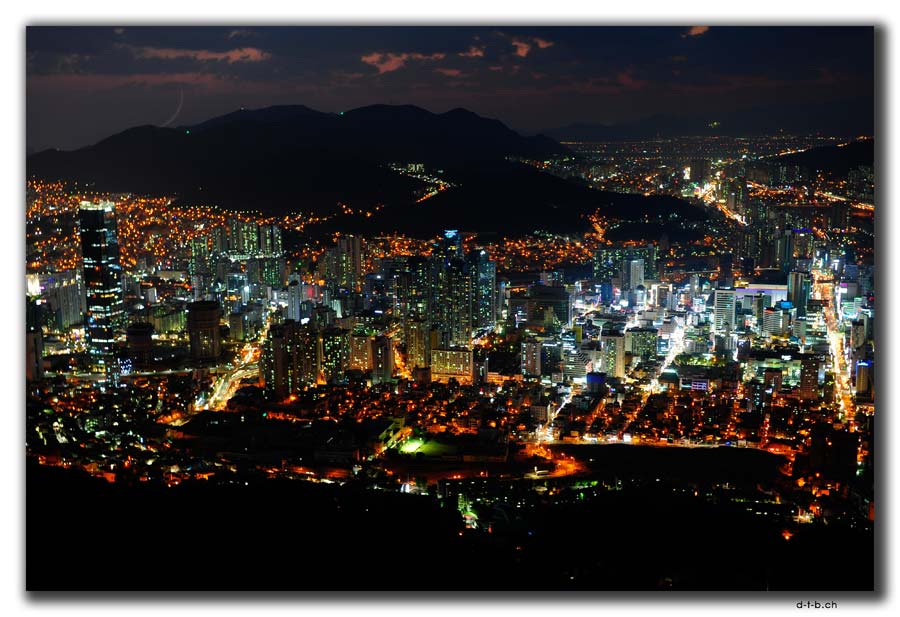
84 534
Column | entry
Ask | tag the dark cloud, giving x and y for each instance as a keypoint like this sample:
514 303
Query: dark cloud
78 78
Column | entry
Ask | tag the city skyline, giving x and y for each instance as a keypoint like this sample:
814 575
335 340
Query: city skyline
462 356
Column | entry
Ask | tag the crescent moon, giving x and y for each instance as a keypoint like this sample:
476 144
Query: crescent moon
177 109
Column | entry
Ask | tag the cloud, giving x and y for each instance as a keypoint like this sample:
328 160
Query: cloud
232 56
449 72
240 33
119 30
473 52
525 45
522 47
695 31
386 62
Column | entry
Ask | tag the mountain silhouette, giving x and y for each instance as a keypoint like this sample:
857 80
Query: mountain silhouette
292 158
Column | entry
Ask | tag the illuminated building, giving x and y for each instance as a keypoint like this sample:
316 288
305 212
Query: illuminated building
557 299
418 344
483 274
361 352
204 330
531 356
611 261
295 300
382 359
641 342
809 377
724 311
635 274
613 354
243 238
65 297
102 281
270 241
452 362
342 264
199 263
268 271
863 379
456 304
335 353
798 291
280 360
167 319
34 343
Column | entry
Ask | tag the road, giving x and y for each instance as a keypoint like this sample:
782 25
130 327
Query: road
823 288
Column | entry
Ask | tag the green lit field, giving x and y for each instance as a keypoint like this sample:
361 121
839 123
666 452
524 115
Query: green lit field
427 447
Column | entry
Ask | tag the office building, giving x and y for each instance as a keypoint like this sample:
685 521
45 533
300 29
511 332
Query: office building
104 302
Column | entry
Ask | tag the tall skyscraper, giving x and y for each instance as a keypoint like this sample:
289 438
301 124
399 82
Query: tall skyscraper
613 354
382 359
244 237
724 311
809 377
455 304
483 274
799 288
635 274
418 344
531 356
102 281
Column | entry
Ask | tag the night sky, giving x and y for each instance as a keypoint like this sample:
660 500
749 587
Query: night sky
86 83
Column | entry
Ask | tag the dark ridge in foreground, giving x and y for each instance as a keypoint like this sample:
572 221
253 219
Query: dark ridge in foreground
280 535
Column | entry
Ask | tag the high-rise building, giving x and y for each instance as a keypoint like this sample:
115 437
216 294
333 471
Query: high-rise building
270 240
613 354
204 330
382 359
199 263
361 352
809 377
483 274
342 264
280 361
452 362
335 353
799 289
635 274
34 342
864 379
244 237
611 261
531 356
102 281
455 304
724 311
641 342
418 344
